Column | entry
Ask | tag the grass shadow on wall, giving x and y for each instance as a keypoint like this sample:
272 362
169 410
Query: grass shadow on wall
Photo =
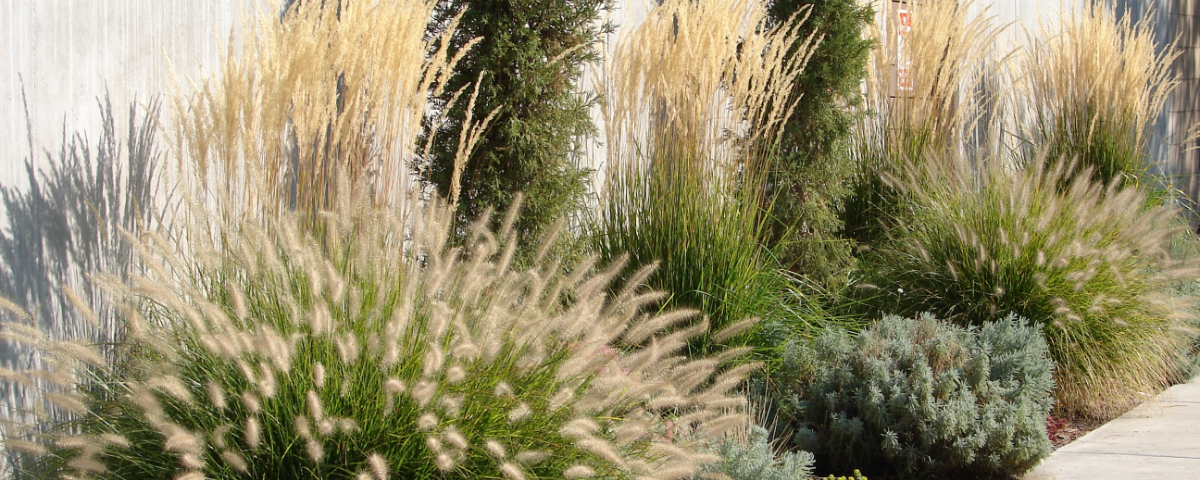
66 224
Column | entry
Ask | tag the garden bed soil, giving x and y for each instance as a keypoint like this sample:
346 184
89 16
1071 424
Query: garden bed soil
1064 430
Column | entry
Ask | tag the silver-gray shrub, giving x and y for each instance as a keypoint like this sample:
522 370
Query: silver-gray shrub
755 459
920 397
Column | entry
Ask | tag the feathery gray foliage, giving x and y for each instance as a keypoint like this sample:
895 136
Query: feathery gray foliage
924 397
756 460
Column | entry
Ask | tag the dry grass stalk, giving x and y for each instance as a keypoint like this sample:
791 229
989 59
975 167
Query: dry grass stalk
946 51
950 57
698 94
1096 82
317 94
703 75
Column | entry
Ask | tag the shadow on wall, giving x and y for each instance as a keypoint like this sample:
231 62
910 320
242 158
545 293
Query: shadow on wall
67 224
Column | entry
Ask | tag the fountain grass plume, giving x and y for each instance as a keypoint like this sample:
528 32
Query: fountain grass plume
1090 262
374 347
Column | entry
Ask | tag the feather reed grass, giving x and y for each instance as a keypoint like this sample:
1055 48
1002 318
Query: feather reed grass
698 94
318 94
947 55
1095 83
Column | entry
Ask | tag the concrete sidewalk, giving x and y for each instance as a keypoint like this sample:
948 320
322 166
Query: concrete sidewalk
1160 437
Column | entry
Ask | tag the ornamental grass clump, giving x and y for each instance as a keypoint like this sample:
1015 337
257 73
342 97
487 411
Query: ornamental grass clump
923 398
319 93
698 95
1096 82
930 107
373 349
1091 263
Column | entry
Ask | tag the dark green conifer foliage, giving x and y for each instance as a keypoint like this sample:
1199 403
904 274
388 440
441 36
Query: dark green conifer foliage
812 173
528 64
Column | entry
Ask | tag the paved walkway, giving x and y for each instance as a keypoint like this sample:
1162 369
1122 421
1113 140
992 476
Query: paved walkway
1159 439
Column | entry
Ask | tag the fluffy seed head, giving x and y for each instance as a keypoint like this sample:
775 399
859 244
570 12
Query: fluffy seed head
235 460
579 471
266 383
191 461
216 395
427 422
496 449
451 405
182 441
218 435
444 462
325 427
455 438
520 413
512 471
455 374
423 392
319 375
251 402
315 409
561 398
253 433
316 452
532 457
87 463
378 465
393 385
303 429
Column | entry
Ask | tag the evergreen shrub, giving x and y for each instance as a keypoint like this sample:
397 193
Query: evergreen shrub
812 172
921 397
522 62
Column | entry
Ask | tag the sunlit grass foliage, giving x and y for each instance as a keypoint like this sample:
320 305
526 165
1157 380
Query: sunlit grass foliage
1090 262
376 349
698 94
1096 82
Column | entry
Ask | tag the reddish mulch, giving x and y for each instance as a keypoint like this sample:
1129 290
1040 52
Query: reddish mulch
1064 430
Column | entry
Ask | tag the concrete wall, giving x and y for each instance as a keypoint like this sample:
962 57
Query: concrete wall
63 54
